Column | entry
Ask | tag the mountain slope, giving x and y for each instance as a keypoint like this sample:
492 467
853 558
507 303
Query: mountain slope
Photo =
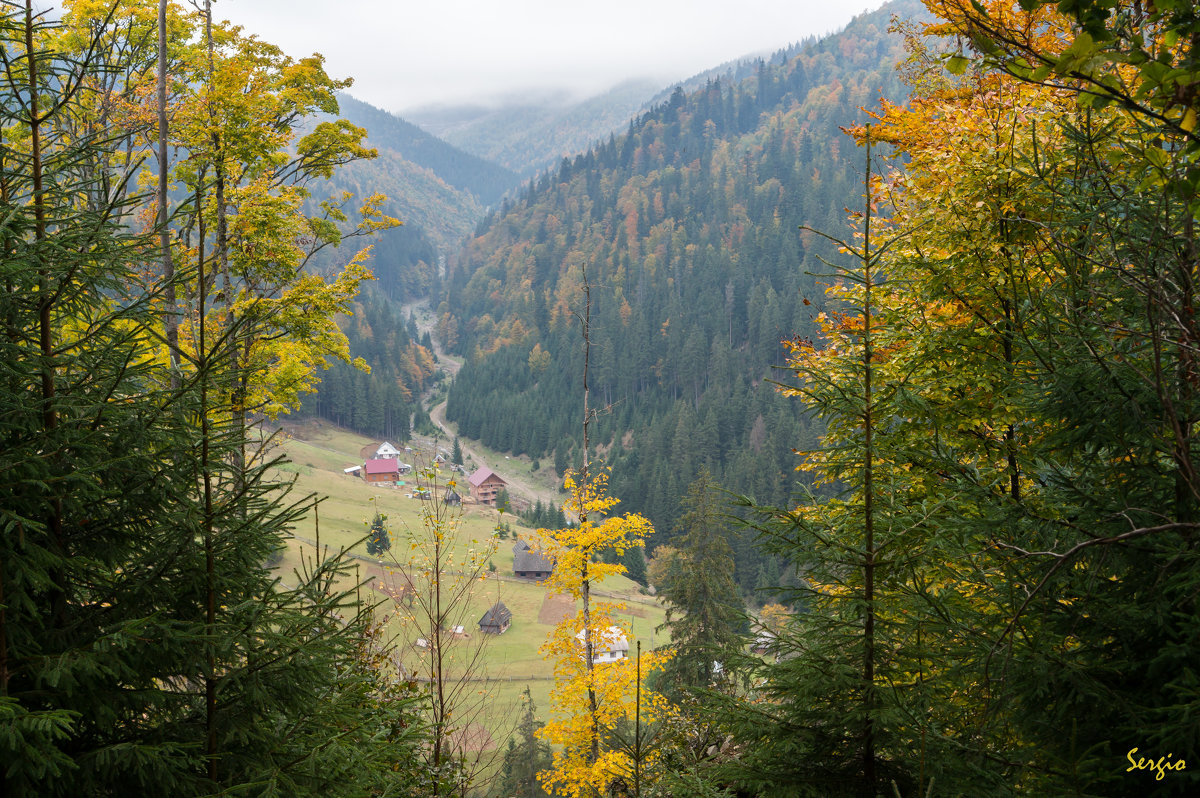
687 230
485 180
534 135
528 137
438 192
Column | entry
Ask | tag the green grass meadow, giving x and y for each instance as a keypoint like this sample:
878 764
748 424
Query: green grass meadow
317 455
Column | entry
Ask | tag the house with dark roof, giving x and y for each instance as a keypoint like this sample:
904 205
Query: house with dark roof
381 470
496 620
486 485
530 564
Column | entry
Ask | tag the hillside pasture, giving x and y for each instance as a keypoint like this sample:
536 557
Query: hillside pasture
316 455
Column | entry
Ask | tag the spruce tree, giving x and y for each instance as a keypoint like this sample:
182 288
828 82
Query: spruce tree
704 611
97 524
378 539
144 647
526 755
832 725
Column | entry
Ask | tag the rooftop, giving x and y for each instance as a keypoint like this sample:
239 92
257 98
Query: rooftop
380 466
482 475
498 615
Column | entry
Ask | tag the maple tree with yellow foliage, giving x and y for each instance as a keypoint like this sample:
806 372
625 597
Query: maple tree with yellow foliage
590 697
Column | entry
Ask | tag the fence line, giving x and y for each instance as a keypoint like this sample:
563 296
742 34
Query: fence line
427 680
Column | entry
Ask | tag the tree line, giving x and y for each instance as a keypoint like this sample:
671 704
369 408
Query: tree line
384 400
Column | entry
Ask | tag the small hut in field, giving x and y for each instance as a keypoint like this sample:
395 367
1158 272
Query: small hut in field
496 620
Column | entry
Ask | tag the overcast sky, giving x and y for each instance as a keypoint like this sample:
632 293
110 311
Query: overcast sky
404 55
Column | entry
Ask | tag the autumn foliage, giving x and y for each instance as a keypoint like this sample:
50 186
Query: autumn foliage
576 640
1008 465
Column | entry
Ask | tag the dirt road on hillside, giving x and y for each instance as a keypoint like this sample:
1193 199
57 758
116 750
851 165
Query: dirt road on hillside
516 485
424 317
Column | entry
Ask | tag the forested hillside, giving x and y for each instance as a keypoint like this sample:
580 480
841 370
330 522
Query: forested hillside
415 195
687 230
437 191
484 179
386 399
534 136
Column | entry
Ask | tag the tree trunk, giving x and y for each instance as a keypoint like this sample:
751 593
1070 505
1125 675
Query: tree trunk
170 317
588 645
868 749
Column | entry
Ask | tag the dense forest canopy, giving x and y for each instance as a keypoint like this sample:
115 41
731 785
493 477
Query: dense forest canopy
687 228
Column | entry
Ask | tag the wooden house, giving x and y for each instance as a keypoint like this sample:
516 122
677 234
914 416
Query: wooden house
486 486
387 452
496 620
382 471
529 564
608 645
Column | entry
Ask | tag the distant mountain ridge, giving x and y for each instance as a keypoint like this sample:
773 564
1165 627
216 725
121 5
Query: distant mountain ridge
535 134
485 180
530 136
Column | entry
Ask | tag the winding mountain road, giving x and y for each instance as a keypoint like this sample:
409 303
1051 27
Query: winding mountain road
522 488
516 485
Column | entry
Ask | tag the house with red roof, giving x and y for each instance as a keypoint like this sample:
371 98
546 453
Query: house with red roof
382 470
486 485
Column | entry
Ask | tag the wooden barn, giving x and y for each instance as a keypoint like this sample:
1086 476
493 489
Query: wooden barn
529 564
496 620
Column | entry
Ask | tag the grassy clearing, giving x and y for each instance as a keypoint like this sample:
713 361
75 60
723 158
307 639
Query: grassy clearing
318 454
520 467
